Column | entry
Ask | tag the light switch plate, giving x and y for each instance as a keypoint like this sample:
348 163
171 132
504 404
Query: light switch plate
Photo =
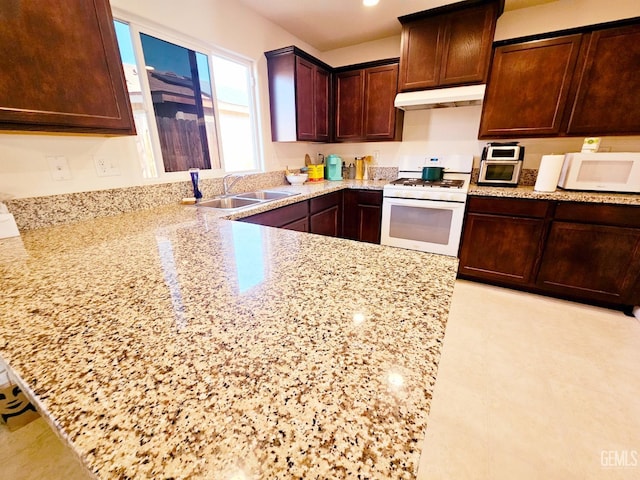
59 167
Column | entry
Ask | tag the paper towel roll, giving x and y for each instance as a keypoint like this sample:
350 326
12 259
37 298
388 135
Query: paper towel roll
549 173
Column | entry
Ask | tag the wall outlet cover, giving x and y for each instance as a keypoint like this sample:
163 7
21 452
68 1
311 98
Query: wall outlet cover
59 167
106 167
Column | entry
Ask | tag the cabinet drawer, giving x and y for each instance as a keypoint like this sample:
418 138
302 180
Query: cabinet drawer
323 202
508 206
369 197
280 216
616 215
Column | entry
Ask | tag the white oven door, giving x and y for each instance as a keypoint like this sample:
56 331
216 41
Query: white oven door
424 225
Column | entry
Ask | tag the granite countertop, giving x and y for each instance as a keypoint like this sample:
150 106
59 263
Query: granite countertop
174 343
559 195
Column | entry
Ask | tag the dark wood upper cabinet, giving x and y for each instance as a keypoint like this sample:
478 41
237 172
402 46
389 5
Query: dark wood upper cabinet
447 46
584 82
322 99
311 101
528 87
364 108
349 88
421 51
382 121
607 99
299 96
61 69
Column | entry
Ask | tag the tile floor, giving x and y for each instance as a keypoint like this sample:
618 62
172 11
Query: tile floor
531 387
528 388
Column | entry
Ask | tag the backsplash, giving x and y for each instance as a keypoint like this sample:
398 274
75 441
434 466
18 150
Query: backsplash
383 173
38 212
527 176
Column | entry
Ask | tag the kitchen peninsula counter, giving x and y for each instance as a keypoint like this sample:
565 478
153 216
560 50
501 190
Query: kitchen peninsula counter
174 343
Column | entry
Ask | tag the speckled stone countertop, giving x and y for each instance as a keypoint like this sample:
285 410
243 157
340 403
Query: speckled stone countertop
173 343
559 195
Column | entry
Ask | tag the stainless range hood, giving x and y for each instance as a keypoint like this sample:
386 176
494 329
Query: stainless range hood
441 98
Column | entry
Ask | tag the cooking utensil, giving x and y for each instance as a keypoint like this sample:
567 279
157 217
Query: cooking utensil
432 174
307 159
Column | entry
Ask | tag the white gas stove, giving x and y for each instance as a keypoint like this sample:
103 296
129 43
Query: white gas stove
453 186
427 215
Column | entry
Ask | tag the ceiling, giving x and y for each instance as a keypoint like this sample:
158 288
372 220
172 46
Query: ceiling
331 24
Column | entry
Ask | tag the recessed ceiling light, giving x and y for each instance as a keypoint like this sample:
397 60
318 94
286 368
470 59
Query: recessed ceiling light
369 3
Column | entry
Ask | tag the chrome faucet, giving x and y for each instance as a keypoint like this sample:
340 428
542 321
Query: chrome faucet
225 186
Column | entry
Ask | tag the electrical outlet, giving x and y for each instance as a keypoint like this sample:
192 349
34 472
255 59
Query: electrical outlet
106 167
59 167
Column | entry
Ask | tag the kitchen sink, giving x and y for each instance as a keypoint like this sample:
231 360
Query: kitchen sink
266 195
242 200
228 203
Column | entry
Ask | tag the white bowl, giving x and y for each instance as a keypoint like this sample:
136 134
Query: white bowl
297 178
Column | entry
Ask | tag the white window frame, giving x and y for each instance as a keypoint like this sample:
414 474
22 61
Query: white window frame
139 25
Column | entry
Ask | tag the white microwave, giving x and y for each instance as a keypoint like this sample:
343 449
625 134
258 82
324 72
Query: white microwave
606 172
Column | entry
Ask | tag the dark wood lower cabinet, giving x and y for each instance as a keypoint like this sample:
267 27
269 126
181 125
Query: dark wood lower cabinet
593 251
293 217
580 251
325 214
321 215
590 260
352 214
301 225
508 256
362 215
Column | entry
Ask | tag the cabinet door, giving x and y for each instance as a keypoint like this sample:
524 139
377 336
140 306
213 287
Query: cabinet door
496 247
420 60
305 99
321 98
301 225
593 262
327 222
325 214
282 97
467 45
379 94
528 88
61 68
349 107
362 215
607 99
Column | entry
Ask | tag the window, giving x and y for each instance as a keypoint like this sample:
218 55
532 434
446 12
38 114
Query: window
183 118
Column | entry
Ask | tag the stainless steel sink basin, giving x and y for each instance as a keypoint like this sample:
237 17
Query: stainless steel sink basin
242 200
266 195
228 203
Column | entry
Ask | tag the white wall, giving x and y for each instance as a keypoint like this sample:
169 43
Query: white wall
24 171
563 14
365 52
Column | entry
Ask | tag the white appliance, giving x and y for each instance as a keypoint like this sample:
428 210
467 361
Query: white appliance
427 215
441 97
606 171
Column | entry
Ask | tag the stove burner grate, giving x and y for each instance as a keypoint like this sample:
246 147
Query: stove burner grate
418 182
